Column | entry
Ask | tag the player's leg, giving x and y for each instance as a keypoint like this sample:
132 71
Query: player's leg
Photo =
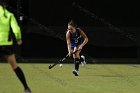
76 62
11 59
82 59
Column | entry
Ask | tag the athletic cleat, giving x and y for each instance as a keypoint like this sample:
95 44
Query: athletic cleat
28 90
83 62
75 72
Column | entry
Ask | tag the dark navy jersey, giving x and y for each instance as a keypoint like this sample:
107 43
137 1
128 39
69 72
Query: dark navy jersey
76 38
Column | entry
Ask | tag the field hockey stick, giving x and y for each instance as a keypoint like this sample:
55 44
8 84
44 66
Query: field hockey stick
61 60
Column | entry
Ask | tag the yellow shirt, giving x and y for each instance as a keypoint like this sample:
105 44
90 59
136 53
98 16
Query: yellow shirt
7 21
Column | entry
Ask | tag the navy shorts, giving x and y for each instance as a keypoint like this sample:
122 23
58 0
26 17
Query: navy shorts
75 44
6 50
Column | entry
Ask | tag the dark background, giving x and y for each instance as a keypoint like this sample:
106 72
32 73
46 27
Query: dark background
45 23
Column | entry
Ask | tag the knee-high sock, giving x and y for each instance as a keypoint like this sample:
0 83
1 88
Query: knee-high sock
76 62
21 76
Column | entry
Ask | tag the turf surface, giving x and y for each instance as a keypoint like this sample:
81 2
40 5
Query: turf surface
93 78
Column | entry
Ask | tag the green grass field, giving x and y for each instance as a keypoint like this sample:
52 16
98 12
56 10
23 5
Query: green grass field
93 78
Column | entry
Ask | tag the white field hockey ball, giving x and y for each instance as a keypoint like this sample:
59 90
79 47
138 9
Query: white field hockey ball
61 65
